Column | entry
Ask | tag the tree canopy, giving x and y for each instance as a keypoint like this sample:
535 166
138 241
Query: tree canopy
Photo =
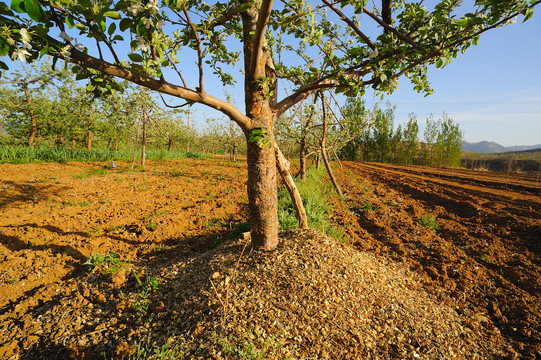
308 46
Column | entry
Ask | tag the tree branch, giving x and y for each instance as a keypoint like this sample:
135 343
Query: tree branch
393 30
262 20
222 20
199 52
350 23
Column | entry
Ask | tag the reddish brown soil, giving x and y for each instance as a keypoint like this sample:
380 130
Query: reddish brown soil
483 264
487 253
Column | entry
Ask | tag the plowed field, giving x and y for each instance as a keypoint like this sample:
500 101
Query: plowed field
486 254
483 262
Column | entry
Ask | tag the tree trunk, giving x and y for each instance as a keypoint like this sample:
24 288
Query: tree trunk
262 195
135 147
89 140
302 159
261 158
33 121
73 143
144 142
324 150
283 168
89 130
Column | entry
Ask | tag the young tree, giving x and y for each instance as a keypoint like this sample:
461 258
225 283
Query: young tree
28 100
327 55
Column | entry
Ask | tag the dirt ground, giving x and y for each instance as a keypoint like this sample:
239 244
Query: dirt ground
179 222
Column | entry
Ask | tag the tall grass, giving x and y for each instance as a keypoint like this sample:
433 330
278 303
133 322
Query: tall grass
314 193
25 154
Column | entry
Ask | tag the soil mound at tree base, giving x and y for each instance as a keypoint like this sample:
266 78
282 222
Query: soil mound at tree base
313 297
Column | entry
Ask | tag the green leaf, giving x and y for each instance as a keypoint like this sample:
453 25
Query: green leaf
18 6
4 47
136 57
439 63
69 22
125 24
112 29
4 10
528 14
112 14
3 66
34 10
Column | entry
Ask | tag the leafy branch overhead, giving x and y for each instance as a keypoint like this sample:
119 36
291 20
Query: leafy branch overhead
328 40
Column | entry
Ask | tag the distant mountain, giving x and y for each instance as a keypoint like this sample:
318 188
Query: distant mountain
489 147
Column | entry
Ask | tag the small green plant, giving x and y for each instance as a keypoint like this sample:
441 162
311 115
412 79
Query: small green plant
175 173
246 350
111 262
162 247
151 284
220 177
484 257
368 207
74 203
95 172
430 223
157 213
152 225
95 232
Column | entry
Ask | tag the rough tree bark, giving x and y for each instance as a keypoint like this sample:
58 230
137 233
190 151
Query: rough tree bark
261 159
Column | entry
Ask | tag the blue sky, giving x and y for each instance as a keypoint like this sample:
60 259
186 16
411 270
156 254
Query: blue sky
493 90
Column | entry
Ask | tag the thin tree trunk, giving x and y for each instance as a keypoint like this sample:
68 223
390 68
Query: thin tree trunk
33 121
73 143
283 167
89 130
135 148
324 151
89 140
144 142
302 159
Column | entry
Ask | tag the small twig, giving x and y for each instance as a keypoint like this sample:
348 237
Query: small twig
226 305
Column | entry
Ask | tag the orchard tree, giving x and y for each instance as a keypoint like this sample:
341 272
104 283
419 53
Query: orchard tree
311 46
27 100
